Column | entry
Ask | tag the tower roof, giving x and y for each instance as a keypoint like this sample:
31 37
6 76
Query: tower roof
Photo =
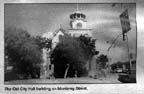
77 15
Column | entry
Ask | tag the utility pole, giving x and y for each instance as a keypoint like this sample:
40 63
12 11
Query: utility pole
129 58
126 27
125 23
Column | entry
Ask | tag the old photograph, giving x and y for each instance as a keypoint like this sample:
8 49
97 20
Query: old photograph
70 43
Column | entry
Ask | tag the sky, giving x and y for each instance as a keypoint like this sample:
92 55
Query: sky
103 19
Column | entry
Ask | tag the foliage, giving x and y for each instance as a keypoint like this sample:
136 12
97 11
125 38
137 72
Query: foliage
88 45
119 64
102 61
44 42
74 52
22 50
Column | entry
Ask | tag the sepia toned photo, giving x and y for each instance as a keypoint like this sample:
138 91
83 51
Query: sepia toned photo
70 43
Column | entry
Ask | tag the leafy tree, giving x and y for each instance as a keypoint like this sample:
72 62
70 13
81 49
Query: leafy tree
88 45
43 42
102 61
72 53
23 51
114 66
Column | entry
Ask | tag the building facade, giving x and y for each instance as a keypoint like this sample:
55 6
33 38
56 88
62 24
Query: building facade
78 26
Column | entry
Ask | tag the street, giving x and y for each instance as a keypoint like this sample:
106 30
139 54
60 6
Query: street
110 79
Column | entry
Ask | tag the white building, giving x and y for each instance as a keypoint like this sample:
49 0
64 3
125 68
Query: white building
48 68
78 26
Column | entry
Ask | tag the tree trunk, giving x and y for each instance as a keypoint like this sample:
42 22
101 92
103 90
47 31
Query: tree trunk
66 71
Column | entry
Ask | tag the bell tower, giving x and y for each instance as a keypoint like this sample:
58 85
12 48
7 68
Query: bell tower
78 20
78 24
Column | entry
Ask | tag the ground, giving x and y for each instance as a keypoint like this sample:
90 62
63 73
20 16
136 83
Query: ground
111 79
